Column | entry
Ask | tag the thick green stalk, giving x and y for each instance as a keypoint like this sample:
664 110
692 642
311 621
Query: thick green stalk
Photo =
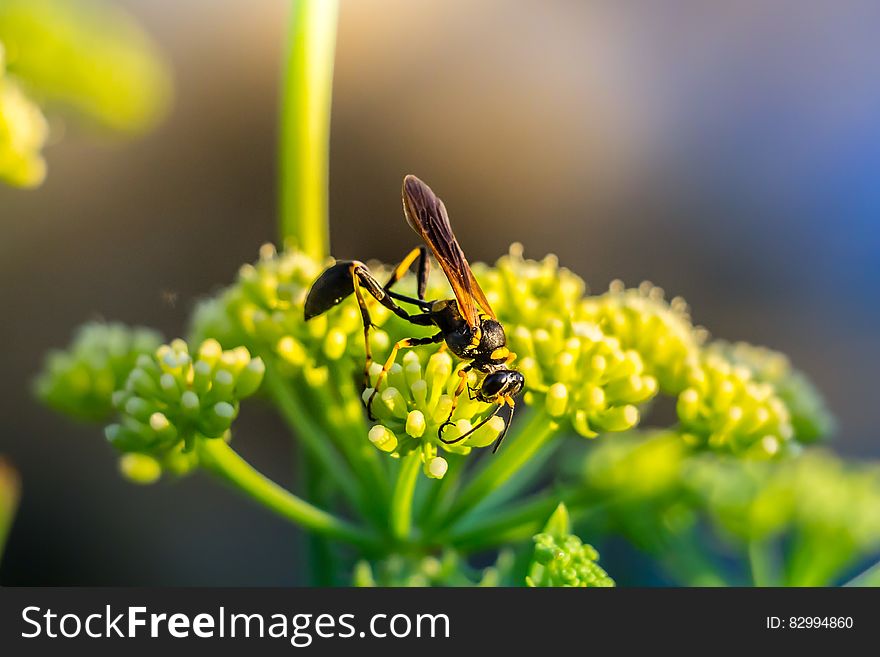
400 520
305 125
512 456
218 457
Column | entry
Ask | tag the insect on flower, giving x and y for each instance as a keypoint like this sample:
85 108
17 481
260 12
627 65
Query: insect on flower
467 325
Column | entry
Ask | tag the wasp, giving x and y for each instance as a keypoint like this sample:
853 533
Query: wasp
466 324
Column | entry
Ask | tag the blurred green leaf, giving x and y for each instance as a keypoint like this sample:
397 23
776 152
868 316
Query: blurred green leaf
89 56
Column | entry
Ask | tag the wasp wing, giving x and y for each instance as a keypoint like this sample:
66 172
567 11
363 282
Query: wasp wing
427 216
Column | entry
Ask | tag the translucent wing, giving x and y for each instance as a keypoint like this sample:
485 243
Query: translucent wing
427 215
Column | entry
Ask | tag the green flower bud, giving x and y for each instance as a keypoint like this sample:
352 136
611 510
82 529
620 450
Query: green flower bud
575 370
726 409
415 399
660 331
562 559
447 569
810 418
23 133
172 398
140 468
80 381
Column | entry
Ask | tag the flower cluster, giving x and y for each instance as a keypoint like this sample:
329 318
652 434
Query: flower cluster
810 419
527 292
727 409
448 569
826 511
89 56
816 494
264 311
574 370
23 133
80 380
562 559
172 398
660 331
413 402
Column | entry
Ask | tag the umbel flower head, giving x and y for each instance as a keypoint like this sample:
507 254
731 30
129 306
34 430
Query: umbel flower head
415 399
810 418
172 398
562 559
726 409
660 331
263 310
575 371
526 292
80 380
572 369
23 133
816 494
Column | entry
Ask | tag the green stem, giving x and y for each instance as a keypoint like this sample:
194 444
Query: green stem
440 493
761 563
539 430
305 125
691 566
869 577
402 497
525 477
312 437
219 458
346 426
518 522
321 570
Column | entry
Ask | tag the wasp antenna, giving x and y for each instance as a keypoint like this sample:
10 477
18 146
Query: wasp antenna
472 429
504 431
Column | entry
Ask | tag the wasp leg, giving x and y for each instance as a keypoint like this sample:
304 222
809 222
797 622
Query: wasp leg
368 323
402 344
462 383
371 285
400 270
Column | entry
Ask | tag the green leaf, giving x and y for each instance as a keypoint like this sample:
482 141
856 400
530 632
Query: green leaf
559 524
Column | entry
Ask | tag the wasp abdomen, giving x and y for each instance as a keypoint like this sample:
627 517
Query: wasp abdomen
331 288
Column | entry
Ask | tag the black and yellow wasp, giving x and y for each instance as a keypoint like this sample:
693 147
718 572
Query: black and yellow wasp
466 323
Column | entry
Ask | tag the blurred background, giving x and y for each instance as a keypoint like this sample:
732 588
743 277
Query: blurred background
726 151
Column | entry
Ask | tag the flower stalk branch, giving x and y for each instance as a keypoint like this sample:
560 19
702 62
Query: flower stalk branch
219 458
